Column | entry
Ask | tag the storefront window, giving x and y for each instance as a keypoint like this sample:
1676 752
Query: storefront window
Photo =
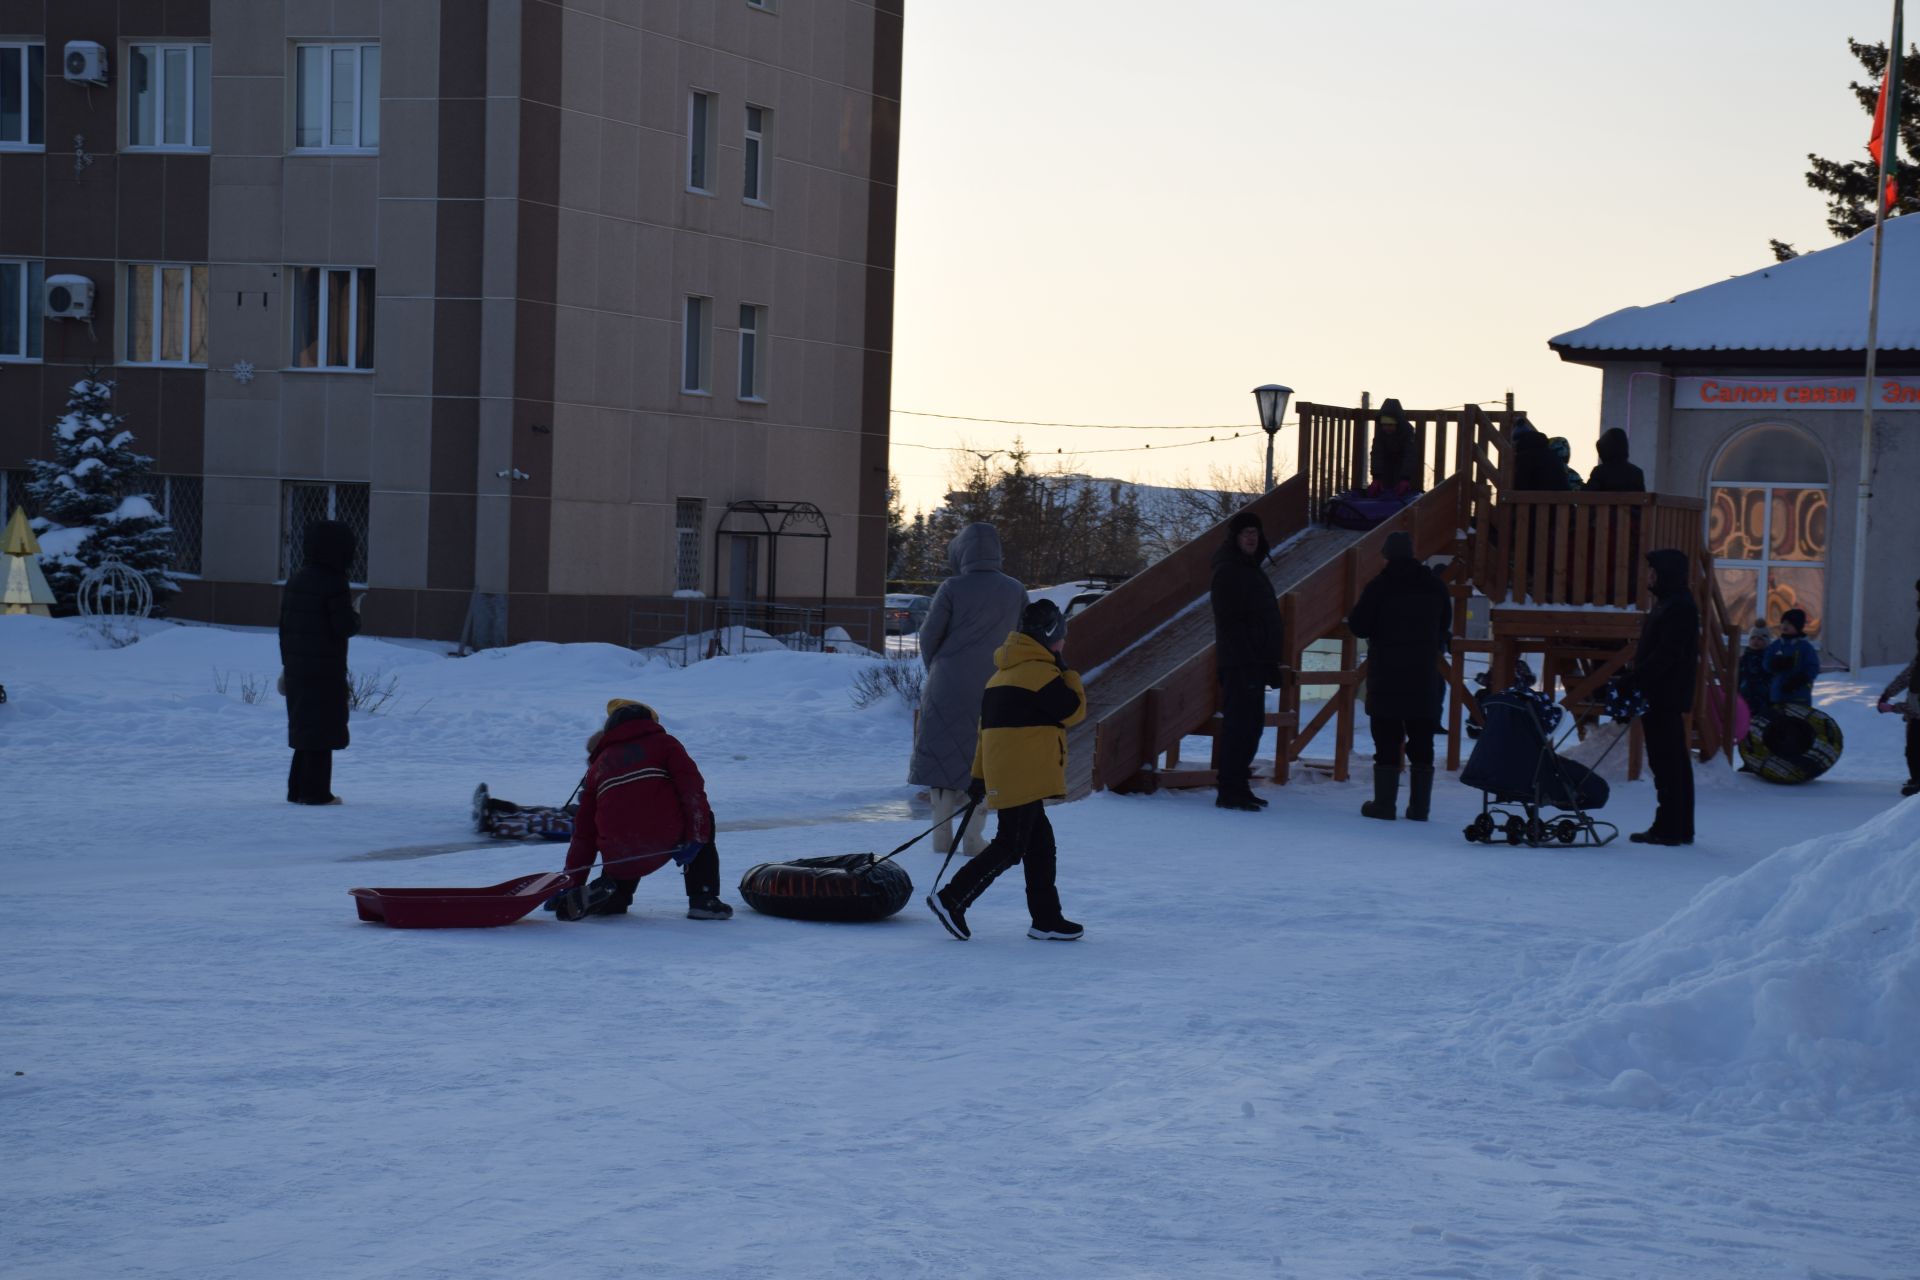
1767 525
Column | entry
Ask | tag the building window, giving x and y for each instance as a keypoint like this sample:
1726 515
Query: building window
23 95
1767 521
696 360
699 142
14 493
755 188
178 500
753 360
689 522
167 92
166 314
22 295
337 97
766 5
332 317
306 502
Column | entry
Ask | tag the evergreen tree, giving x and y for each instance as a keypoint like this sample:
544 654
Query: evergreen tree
91 507
1850 185
897 532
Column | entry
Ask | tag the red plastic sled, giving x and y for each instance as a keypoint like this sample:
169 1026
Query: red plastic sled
458 908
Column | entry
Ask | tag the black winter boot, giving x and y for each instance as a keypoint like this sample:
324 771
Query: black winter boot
1419 792
1386 793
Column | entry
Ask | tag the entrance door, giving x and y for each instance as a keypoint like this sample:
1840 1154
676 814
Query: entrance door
1767 525
743 570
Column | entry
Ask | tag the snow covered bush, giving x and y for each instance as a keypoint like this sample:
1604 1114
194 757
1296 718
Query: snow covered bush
371 691
89 513
897 677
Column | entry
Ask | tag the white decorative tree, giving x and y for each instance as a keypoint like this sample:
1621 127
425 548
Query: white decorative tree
90 512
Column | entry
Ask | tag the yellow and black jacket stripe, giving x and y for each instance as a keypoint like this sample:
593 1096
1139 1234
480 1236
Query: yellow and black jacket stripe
1025 713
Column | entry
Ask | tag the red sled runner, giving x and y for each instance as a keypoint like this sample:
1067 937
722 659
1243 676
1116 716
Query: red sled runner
495 904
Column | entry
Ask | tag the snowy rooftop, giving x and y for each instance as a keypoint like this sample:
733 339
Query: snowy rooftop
1816 302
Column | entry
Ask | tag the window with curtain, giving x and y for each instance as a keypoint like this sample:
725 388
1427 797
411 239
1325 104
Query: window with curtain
1767 519
166 314
336 97
333 313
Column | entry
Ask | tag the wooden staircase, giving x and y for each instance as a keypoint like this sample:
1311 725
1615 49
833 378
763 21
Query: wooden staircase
1562 572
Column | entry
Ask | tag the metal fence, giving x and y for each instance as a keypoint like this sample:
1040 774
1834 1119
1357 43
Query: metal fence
705 628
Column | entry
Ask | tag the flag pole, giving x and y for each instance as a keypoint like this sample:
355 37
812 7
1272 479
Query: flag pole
1889 144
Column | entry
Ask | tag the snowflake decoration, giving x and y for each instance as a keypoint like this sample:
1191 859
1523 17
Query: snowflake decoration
242 372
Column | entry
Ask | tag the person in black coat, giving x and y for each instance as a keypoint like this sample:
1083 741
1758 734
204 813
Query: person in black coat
316 618
1248 648
1535 469
1615 474
1664 665
1406 618
1393 461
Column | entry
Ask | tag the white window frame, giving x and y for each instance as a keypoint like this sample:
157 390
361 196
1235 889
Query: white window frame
700 141
756 169
30 110
696 346
752 383
28 308
325 295
156 52
359 145
158 327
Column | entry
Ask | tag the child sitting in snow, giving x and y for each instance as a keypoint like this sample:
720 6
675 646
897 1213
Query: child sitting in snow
642 803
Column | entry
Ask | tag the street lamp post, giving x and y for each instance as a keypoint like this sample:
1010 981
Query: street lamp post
1272 400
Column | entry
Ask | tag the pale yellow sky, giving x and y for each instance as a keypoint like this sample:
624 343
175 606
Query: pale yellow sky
1128 211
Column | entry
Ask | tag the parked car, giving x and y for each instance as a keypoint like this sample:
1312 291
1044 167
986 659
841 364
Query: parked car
905 613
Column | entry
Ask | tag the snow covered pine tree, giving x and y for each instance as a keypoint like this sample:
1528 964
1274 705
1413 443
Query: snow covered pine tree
91 510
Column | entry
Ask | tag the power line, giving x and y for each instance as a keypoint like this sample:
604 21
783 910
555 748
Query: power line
1078 453
1081 426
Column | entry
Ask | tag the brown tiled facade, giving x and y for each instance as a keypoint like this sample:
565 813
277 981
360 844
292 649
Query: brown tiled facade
527 215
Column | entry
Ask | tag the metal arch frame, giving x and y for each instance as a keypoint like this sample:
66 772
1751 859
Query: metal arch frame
789 513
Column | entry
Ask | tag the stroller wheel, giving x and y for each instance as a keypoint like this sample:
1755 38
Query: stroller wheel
1538 832
1481 828
1567 830
1516 829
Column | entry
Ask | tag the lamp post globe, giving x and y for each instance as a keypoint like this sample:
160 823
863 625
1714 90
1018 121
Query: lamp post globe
1271 400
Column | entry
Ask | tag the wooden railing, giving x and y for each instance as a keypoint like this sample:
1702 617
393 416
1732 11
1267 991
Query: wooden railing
1157 593
1571 549
1335 442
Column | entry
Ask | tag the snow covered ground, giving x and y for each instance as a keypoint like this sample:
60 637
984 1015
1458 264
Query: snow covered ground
1292 1044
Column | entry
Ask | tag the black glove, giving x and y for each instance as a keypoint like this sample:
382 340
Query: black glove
977 790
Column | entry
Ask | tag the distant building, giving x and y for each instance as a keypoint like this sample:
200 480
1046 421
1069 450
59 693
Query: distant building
528 292
1747 393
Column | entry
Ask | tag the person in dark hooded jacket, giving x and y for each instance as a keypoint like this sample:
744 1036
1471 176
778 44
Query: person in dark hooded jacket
1405 616
1664 665
1613 473
1535 469
317 617
1248 651
1393 461
1562 451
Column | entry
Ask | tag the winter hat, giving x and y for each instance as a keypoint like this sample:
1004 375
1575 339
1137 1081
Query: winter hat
623 710
1390 411
1759 632
1796 618
1560 448
1241 521
1044 622
1522 428
1398 546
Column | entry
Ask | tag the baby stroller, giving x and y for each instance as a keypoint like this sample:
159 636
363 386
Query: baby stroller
1519 775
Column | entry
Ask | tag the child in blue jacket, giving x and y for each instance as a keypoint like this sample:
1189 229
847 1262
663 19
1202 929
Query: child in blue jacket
1793 660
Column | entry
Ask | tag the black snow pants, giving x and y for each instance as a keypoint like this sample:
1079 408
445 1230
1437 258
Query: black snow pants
1913 751
1666 738
1416 735
1024 836
310 777
1243 714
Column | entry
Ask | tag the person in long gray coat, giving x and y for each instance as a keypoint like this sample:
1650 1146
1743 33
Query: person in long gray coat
971 615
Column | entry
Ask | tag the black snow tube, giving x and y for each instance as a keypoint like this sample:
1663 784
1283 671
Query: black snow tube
849 887
1791 742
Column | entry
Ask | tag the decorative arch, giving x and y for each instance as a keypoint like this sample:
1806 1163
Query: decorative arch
1769 491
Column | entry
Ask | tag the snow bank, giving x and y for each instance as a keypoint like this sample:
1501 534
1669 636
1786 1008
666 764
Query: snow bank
1791 989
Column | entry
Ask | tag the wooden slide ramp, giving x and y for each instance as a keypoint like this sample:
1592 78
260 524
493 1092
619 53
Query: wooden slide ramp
1157 655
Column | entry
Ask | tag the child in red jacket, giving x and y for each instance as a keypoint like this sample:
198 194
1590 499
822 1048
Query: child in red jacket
643 802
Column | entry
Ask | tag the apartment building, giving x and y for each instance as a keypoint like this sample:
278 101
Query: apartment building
531 292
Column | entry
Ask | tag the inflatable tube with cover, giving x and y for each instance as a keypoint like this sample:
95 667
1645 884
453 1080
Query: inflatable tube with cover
849 887
1791 742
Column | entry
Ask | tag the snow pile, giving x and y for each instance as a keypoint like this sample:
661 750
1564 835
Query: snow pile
1791 989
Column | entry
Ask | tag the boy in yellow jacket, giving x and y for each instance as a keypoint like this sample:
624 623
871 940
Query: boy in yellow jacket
1020 763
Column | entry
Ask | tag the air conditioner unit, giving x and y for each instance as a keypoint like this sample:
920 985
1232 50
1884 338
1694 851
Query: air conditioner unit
86 62
69 298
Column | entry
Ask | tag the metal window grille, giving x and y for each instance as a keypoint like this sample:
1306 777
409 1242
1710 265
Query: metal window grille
14 493
305 502
689 520
181 504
